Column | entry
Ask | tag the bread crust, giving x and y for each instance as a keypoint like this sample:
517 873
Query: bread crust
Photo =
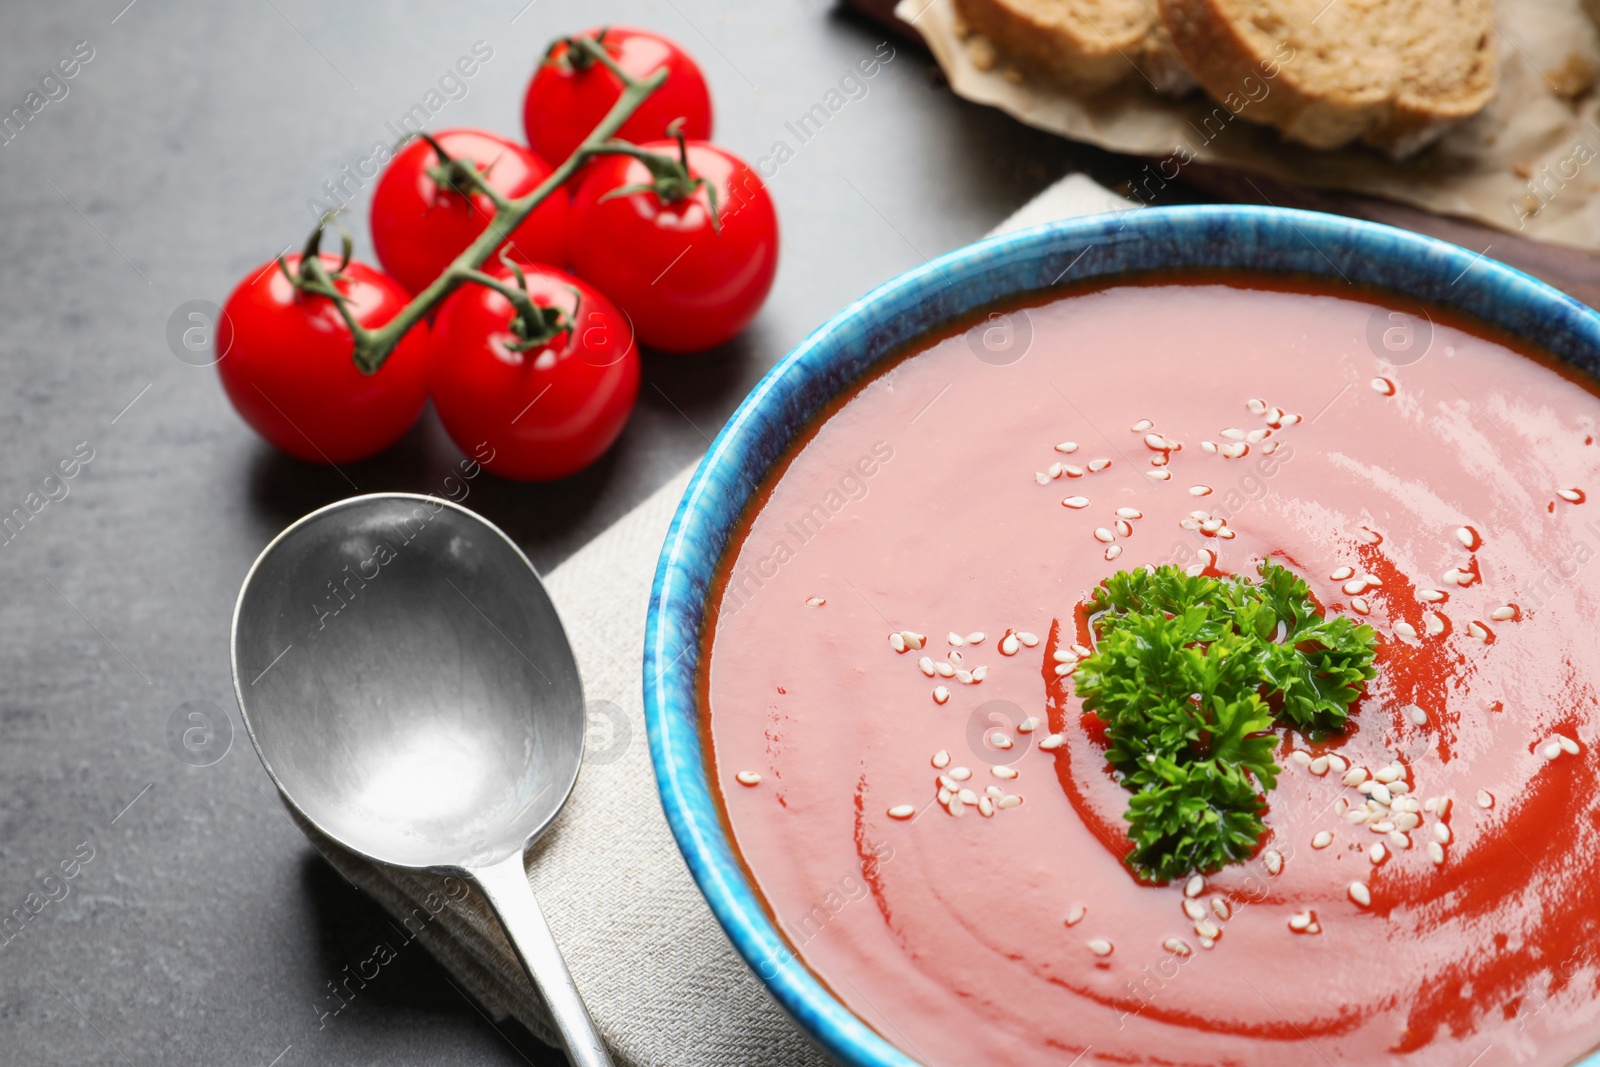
1224 48
1086 44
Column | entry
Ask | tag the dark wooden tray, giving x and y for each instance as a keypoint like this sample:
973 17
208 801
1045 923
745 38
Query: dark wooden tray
1571 270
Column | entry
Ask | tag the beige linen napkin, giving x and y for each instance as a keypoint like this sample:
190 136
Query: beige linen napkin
660 978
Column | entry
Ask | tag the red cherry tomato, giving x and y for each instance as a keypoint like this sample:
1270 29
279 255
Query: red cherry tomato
419 227
546 412
289 371
686 285
565 102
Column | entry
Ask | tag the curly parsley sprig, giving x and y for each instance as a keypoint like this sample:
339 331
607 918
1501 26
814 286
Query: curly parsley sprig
1190 674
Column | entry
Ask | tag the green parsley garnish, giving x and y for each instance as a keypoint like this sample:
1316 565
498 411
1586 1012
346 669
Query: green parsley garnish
1190 675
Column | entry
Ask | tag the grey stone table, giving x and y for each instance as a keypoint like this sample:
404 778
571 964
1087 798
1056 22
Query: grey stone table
163 912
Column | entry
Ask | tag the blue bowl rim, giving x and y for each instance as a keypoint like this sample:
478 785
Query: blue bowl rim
670 678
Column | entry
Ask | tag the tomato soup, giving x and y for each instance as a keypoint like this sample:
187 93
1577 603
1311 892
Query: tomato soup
928 812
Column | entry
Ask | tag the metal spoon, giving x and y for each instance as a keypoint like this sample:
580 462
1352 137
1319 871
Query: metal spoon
408 686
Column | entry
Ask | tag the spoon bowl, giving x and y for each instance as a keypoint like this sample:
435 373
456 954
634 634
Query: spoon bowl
409 688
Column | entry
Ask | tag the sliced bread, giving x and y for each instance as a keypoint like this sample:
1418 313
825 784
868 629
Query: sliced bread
1084 44
1394 73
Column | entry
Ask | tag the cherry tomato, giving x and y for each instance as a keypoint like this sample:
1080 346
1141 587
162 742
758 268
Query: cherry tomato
289 371
419 226
545 412
565 102
686 285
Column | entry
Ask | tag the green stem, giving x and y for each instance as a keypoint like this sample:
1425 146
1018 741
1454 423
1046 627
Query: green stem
372 347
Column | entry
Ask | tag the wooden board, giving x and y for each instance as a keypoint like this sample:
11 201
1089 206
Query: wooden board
1571 270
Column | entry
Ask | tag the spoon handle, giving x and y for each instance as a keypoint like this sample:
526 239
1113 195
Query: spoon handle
505 885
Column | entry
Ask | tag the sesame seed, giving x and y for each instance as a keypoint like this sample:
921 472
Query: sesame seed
902 811
944 795
1550 751
1233 433
1568 745
1067 447
1398 839
1289 420
1393 772
1072 470
1384 386
925 665
976 638
1485 799
1124 528
1195 886
1433 596
1104 535
1319 766
1405 629
1075 916
953 639
1380 793
1436 853
1199 490
1406 821
1113 552
1100 946
1208 447
1194 909
1041 477
1235 450
815 602
955 658
1064 669
980 672
1155 442
1359 605
960 774
1322 839
941 695
1176 946
1571 496
748 778
1008 802
1129 513
1356 776
1467 536
1341 574
1220 908
1299 920
1207 930
1098 465
1002 771
1000 741
1503 613
1452 576
956 806
1383 826
1302 758
1354 587
1478 630
1377 852
968 796
1257 407
941 759
1257 436
993 791
1269 448
1053 741
897 642
1442 807
1028 725
1075 502
1009 645
1356 815
1360 894
1441 833
1434 623
1055 470
985 807
1158 476
1272 860
1064 655
945 669
1416 714
1027 639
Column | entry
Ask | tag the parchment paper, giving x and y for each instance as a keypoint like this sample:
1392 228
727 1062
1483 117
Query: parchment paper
1529 163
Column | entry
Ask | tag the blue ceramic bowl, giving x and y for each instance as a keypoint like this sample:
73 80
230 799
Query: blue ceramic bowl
1263 240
